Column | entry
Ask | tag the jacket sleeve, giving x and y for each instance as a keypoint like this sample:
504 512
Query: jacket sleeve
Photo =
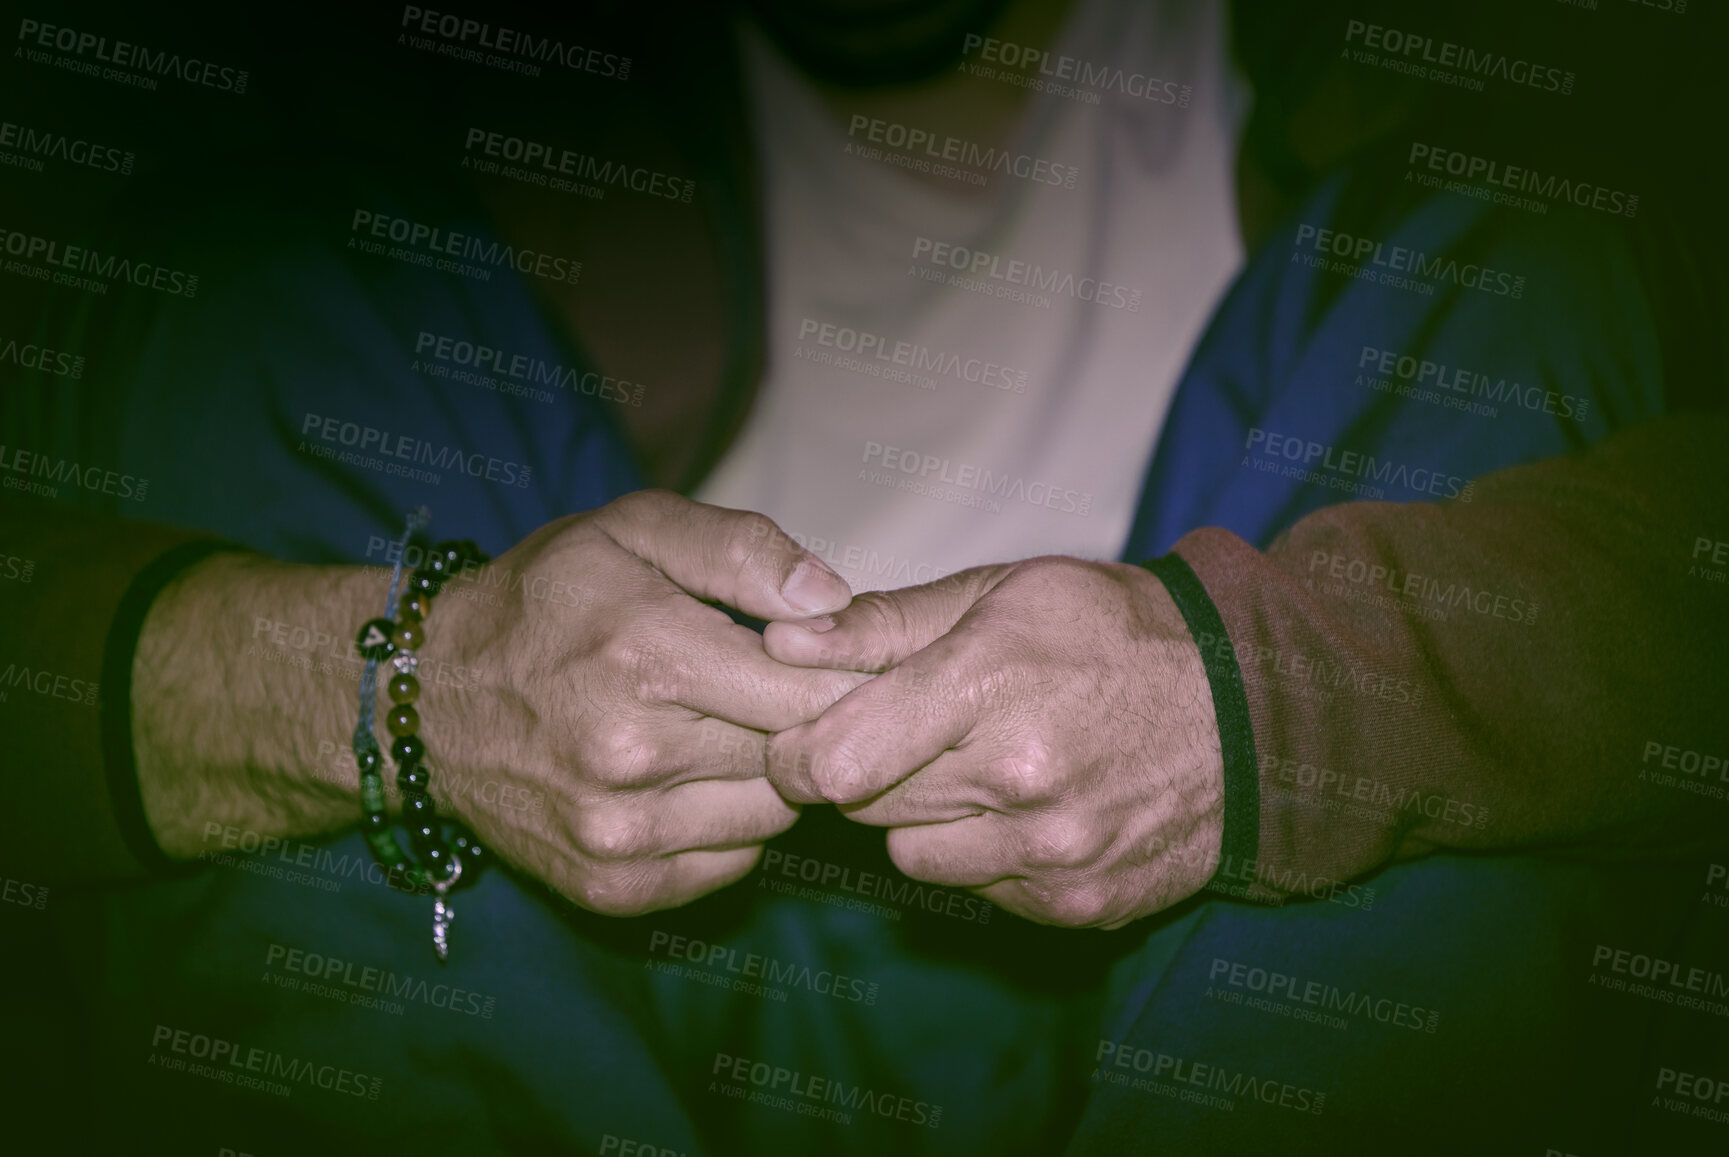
1540 668
74 589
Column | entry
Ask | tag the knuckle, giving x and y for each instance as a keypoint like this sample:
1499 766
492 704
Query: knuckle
652 502
611 835
1078 907
748 537
1025 780
1058 843
620 756
841 774
610 893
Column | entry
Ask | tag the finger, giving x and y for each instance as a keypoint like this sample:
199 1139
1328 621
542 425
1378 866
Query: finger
973 852
716 816
654 753
736 557
884 730
944 790
693 875
723 671
881 628
642 886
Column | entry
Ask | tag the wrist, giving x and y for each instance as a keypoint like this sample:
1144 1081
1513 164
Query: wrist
244 685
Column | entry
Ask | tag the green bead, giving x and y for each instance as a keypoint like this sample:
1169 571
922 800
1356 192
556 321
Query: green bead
372 792
408 636
402 720
404 688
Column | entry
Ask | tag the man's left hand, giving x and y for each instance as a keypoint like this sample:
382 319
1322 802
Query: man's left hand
1042 734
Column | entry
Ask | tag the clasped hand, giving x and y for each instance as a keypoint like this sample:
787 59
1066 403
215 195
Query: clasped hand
1040 732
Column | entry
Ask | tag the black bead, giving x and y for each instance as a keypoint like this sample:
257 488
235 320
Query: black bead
426 836
473 855
442 561
374 640
417 806
414 777
408 749
426 582
368 759
460 551
375 821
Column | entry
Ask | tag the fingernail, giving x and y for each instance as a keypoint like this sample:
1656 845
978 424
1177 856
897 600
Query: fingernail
820 625
814 588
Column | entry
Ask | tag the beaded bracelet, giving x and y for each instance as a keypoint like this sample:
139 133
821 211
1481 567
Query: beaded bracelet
442 864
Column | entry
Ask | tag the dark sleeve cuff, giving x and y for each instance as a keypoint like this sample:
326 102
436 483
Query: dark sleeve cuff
1231 708
115 707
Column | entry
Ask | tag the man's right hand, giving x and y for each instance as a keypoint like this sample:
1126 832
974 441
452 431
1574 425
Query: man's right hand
599 682
640 712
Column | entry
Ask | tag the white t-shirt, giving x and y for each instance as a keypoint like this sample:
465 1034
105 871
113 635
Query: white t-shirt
961 372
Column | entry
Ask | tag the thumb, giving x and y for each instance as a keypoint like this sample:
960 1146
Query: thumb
736 557
881 629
